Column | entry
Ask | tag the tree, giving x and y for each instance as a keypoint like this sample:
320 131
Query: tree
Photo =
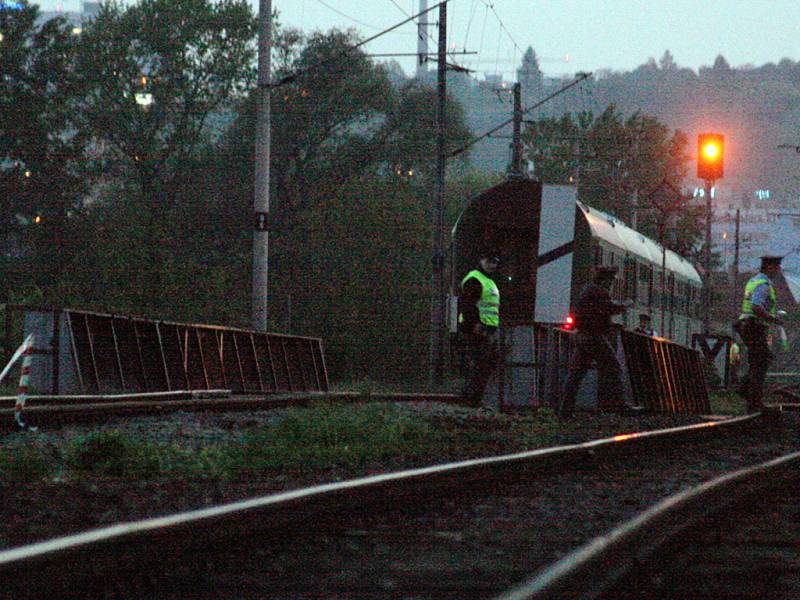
41 182
410 141
623 166
151 75
351 177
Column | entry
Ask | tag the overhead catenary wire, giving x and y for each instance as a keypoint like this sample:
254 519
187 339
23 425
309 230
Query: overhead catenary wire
580 77
469 22
430 37
348 17
292 76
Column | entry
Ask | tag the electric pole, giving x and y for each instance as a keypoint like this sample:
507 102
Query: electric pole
437 281
261 197
422 39
516 139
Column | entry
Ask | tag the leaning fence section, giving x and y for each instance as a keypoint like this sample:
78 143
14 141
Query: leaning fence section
665 376
94 353
661 375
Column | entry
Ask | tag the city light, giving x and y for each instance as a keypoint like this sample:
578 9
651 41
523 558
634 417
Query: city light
144 100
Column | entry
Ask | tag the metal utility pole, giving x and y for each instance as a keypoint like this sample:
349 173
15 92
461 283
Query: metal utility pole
422 39
516 140
736 267
261 198
437 280
707 261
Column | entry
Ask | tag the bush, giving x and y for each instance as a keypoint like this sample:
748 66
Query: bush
111 453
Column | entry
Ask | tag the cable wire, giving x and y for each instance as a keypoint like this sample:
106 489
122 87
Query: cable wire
580 77
348 17
292 76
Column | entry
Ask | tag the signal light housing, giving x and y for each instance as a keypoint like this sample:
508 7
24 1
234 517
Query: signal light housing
710 155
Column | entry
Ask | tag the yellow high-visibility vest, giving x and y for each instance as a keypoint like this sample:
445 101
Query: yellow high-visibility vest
489 304
750 288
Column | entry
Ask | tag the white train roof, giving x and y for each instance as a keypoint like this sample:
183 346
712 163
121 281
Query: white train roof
615 232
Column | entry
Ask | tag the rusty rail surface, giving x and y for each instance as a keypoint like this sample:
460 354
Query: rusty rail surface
605 566
43 410
93 558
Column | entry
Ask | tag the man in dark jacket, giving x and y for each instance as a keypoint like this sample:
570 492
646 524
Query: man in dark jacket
478 323
594 341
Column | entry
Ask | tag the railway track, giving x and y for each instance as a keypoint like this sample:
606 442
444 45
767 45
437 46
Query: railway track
737 536
48 410
468 529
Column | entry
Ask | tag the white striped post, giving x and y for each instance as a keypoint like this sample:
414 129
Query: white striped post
22 390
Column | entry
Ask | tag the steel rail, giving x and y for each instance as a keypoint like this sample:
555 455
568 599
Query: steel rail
589 571
50 409
98 554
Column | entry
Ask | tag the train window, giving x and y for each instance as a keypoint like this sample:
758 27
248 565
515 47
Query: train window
671 292
598 255
644 284
630 279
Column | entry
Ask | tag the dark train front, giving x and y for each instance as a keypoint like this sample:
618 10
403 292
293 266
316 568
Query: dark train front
549 243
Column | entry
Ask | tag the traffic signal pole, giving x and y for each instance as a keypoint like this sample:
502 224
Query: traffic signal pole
710 161
707 261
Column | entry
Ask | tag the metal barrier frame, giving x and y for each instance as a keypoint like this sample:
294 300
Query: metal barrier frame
114 353
665 376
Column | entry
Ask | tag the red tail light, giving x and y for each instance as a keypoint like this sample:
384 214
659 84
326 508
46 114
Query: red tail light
569 322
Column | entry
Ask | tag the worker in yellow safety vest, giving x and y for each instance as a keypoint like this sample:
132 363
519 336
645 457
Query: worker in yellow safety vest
478 325
759 310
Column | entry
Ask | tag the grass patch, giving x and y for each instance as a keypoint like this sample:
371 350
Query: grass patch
367 386
25 464
327 435
113 454
726 402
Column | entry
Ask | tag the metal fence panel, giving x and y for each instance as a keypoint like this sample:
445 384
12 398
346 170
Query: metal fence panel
100 353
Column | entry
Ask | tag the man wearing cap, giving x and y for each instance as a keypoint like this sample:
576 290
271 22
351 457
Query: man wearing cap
759 309
478 323
594 341
644 326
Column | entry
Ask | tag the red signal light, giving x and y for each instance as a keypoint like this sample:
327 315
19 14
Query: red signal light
710 153
569 322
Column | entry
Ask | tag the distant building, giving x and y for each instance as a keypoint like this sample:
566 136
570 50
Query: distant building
762 231
89 10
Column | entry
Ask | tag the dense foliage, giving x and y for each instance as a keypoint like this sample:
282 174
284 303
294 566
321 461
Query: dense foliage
126 175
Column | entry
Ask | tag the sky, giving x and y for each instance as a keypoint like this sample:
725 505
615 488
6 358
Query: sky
567 35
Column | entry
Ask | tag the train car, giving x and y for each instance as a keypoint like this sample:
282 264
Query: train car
656 280
549 243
